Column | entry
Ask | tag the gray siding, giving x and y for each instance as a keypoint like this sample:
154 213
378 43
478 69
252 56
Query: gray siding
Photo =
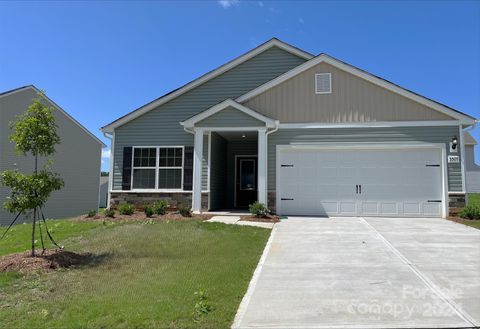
353 99
161 125
236 148
230 117
470 164
370 135
77 160
218 172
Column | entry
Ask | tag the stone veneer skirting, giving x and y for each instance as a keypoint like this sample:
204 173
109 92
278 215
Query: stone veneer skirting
139 199
456 200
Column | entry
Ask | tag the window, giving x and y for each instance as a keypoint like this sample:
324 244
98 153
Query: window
157 168
323 83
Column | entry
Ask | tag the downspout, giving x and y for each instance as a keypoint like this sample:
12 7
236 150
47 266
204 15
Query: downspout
277 125
111 137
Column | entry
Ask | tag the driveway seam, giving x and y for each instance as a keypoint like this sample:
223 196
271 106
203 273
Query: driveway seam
432 286
242 309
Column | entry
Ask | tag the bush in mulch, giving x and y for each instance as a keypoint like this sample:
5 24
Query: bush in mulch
266 218
139 216
48 261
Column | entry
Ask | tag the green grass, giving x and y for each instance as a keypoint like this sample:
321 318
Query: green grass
473 223
18 239
474 199
147 277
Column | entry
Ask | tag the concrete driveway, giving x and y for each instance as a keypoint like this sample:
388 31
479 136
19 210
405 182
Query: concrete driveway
366 273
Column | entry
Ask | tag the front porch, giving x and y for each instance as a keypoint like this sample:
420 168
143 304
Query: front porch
237 156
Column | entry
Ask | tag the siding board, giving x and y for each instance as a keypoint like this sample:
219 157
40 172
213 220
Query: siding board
161 125
353 99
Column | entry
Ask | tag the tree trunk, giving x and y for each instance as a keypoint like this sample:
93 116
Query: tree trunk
33 232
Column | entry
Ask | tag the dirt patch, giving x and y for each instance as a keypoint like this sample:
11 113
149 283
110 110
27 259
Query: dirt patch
139 216
265 219
48 261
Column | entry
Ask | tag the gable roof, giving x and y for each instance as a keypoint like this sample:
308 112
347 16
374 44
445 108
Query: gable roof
324 58
189 123
274 42
35 89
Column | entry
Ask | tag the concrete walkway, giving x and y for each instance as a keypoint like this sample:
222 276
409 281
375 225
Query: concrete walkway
365 273
236 220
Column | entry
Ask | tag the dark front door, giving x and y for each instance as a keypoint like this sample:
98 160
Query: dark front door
246 181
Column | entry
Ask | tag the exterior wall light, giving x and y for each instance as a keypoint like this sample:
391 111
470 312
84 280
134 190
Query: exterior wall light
454 143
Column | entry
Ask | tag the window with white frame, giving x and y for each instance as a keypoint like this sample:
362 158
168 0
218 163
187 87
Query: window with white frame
159 168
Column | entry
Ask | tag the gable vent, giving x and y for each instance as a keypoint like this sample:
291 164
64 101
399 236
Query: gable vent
323 83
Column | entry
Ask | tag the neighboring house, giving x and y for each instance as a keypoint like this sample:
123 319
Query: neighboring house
304 134
77 158
103 192
472 169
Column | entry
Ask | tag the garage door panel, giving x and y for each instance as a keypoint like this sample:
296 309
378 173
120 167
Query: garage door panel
395 182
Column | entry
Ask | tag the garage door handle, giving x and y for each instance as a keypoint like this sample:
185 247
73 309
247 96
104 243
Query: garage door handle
360 188
356 189
286 199
286 165
435 201
432 165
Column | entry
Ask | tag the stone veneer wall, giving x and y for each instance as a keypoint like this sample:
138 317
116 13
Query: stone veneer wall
138 199
271 202
456 200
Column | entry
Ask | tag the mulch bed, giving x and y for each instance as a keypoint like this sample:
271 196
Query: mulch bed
139 216
461 220
49 261
265 219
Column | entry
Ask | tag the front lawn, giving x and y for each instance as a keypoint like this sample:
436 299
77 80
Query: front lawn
147 277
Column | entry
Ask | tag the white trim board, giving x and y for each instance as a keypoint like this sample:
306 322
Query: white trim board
190 123
204 78
376 124
14 91
323 58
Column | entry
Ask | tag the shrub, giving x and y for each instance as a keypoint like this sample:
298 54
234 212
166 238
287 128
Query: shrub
185 211
470 212
148 211
258 209
91 213
109 213
126 209
160 207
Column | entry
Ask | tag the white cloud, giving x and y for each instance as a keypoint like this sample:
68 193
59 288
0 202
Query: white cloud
106 153
260 3
227 3
301 20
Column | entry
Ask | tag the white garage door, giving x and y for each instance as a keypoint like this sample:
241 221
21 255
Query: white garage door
403 182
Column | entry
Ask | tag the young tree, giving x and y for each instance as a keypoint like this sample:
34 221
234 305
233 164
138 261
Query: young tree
35 133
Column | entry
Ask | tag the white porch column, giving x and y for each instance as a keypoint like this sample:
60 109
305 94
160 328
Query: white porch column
197 172
262 166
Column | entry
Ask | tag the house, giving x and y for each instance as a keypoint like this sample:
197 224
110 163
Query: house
77 158
102 203
304 134
471 168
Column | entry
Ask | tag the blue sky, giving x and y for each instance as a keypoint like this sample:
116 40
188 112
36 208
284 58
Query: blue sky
101 60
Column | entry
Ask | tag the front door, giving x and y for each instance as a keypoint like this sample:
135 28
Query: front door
245 181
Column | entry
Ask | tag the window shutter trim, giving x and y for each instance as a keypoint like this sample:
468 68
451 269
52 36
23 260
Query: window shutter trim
127 168
188 168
